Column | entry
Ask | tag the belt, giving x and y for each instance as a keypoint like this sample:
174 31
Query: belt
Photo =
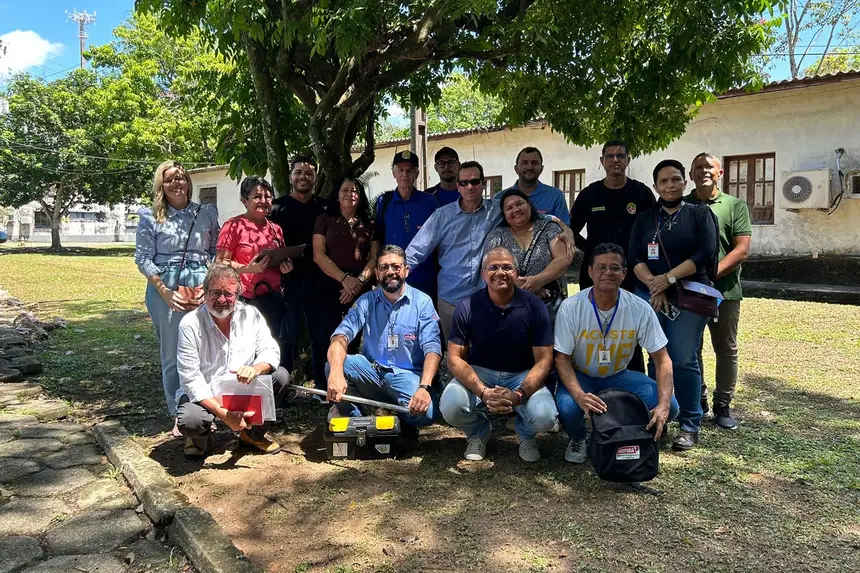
187 265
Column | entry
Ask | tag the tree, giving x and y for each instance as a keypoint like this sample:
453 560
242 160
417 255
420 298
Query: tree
52 143
839 60
809 23
594 69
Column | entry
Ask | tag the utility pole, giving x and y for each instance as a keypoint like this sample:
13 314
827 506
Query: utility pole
418 143
82 19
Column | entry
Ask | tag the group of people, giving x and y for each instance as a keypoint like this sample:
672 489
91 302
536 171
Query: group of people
480 280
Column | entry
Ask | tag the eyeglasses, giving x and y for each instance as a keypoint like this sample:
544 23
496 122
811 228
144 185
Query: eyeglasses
614 269
396 267
217 294
473 182
449 163
616 156
501 268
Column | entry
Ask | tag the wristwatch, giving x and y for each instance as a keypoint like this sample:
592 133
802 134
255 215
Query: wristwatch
424 387
671 278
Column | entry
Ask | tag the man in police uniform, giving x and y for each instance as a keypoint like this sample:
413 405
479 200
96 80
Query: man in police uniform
609 207
401 351
400 213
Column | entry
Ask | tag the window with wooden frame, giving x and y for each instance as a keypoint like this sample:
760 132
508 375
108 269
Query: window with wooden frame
208 195
492 185
571 182
752 178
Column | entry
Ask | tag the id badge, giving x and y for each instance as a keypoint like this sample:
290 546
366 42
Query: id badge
603 358
393 342
653 251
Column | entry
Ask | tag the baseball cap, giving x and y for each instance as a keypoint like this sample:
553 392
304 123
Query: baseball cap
446 151
405 156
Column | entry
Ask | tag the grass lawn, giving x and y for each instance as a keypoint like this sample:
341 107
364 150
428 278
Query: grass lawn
781 493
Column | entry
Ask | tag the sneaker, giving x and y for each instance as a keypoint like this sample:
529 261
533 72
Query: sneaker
476 448
575 452
556 428
686 440
195 450
723 417
261 442
529 451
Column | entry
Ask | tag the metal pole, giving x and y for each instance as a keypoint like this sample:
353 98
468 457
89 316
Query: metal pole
354 399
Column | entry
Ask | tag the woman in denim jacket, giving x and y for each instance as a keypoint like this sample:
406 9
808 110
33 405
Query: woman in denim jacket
176 240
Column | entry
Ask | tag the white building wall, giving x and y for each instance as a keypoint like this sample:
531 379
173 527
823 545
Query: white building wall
801 126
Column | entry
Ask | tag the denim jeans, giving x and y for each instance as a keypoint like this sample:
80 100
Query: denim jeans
375 382
684 334
464 410
166 323
571 416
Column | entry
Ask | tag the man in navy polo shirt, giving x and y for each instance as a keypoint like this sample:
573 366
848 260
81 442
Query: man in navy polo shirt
447 164
546 199
401 351
400 213
500 353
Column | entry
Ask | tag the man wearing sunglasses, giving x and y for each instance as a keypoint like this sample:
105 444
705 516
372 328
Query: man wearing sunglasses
609 207
222 337
401 350
400 213
500 353
596 332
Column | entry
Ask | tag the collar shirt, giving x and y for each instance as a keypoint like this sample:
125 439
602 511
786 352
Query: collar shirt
205 354
159 245
459 236
396 335
444 196
399 224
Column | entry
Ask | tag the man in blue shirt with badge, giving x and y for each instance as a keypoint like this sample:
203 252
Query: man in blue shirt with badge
400 213
547 200
401 351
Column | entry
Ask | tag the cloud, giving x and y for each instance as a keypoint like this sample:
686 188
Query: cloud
25 49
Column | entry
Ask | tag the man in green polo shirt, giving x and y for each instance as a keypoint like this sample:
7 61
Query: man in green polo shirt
735 235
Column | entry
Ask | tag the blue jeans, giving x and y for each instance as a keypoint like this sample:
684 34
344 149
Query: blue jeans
571 416
464 410
375 382
166 323
684 334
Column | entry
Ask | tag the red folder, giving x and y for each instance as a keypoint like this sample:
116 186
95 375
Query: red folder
245 403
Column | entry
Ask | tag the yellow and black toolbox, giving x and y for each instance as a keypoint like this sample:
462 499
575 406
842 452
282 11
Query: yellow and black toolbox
362 437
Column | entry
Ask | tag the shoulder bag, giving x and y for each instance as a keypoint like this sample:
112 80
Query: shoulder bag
194 295
689 298
552 294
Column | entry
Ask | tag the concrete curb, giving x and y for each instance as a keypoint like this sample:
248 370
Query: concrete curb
192 529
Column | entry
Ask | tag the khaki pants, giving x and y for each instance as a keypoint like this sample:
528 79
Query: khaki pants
724 339
446 318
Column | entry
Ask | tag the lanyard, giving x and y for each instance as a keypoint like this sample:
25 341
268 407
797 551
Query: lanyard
604 332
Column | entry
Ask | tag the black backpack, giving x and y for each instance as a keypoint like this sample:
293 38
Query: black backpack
621 449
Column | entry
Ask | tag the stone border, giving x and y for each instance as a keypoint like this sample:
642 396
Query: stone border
199 536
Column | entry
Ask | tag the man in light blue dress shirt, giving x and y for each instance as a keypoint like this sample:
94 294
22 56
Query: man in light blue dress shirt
401 350
547 200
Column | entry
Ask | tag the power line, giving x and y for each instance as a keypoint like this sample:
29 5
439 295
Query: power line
137 161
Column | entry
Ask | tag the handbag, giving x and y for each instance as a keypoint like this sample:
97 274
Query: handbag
194 295
696 300
552 294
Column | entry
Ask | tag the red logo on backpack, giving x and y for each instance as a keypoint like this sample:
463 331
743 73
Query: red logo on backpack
627 453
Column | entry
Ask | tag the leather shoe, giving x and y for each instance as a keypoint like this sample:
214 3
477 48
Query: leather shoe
685 441
260 441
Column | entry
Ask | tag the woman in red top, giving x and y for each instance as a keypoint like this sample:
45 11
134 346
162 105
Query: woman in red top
244 237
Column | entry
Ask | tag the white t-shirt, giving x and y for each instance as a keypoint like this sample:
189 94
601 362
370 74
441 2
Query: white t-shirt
577 332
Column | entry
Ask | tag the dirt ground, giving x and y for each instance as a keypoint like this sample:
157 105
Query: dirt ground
431 511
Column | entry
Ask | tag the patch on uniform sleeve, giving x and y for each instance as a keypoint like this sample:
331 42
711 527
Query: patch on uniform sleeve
631 208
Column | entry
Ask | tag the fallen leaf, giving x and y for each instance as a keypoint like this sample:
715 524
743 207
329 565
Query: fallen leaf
388 551
139 508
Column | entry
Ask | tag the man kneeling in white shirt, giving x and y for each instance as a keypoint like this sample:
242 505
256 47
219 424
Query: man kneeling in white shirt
221 337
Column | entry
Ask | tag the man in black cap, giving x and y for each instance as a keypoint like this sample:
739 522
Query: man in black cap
447 164
609 207
400 213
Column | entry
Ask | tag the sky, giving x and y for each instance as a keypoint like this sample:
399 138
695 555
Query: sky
42 41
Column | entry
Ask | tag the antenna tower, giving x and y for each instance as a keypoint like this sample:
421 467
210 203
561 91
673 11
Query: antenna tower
82 19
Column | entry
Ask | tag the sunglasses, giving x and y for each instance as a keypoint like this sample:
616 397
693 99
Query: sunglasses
472 182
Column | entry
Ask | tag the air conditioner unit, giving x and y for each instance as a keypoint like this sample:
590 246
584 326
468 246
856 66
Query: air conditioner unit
805 190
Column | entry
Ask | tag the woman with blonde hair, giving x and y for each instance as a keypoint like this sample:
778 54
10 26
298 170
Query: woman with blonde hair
176 240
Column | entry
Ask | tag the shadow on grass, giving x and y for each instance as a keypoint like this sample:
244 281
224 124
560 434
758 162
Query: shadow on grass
74 251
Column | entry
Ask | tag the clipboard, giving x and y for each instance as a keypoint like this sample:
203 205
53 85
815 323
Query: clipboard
279 255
